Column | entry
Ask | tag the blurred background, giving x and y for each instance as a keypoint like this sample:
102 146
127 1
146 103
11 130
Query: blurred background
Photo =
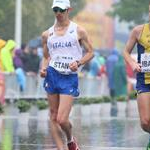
106 80
106 32
22 22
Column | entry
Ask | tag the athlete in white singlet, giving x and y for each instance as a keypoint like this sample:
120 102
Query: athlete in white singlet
61 61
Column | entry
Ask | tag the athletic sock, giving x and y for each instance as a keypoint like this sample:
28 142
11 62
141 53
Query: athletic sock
71 140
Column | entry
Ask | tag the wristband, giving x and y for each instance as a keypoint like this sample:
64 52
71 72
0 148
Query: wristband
78 63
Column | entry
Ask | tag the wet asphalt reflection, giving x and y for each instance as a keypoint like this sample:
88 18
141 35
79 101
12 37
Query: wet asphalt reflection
96 127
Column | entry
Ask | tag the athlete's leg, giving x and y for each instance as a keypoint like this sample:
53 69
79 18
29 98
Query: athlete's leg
65 105
55 128
144 110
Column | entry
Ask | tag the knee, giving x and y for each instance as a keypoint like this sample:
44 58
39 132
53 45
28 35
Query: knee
145 124
53 115
61 120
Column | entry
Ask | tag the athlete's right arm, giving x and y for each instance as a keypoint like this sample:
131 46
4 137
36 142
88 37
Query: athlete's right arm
133 39
46 57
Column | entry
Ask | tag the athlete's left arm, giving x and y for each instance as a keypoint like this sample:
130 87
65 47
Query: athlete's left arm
86 44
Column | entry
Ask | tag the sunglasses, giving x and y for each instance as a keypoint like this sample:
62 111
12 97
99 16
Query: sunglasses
57 9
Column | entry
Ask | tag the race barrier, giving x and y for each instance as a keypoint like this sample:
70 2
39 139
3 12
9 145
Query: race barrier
89 87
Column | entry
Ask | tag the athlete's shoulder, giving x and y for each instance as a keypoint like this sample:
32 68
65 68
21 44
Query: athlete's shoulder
45 34
138 29
81 31
79 27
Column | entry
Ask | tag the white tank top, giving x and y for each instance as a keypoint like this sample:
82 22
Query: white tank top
64 49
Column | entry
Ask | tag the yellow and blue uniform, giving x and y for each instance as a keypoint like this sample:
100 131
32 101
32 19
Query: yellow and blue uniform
143 46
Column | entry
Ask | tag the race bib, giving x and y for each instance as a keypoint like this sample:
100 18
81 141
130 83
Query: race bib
61 63
145 62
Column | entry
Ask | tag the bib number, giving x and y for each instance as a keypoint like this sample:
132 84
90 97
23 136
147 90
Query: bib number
61 63
145 62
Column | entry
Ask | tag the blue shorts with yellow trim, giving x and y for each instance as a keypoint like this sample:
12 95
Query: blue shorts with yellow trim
142 88
57 83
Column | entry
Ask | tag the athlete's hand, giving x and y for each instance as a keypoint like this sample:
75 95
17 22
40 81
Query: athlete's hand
73 66
136 67
43 73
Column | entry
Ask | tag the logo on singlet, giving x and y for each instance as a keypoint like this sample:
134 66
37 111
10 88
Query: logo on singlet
51 34
62 45
71 31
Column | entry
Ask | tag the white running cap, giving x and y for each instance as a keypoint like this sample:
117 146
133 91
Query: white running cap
63 4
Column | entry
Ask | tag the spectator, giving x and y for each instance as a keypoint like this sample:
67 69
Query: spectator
7 56
102 69
18 64
35 59
112 59
26 58
17 59
110 64
31 60
120 78
2 44
94 66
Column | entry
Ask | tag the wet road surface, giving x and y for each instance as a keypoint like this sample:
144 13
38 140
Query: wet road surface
96 127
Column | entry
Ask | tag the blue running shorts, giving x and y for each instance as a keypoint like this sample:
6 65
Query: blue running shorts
142 88
57 83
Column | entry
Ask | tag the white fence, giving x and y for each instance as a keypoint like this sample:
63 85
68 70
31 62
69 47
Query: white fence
89 87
